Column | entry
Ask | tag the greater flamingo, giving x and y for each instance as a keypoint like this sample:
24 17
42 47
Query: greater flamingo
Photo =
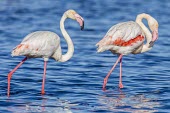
128 37
46 44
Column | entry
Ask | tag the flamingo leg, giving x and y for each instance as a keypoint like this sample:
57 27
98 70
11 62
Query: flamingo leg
43 81
10 74
106 78
120 77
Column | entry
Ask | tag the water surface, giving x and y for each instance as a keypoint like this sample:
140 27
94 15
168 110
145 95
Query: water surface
76 86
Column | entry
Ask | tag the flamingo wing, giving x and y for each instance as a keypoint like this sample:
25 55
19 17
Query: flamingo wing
38 44
124 35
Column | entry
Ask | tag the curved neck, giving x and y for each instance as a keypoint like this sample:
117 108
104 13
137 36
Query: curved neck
145 30
70 45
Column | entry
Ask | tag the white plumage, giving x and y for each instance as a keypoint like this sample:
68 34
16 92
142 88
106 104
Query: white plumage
125 31
39 44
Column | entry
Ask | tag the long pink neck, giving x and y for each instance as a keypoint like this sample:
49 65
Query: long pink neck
146 31
70 45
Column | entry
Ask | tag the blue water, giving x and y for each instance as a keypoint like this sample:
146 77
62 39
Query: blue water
76 85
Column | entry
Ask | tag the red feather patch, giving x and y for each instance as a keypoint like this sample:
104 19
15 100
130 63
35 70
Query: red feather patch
120 42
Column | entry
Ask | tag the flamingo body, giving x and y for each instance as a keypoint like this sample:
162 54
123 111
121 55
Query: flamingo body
122 38
39 44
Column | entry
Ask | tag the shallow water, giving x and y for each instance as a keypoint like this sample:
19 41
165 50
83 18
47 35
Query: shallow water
76 86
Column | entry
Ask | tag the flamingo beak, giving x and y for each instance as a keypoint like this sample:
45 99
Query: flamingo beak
154 37
80 20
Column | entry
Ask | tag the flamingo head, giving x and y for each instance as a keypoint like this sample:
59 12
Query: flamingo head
75 16
153 24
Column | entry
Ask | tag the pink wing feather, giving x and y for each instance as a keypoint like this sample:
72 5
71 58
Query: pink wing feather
124 34
38 44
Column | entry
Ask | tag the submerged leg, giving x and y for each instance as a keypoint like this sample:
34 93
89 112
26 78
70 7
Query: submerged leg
10 74
43 81
120 77
106 78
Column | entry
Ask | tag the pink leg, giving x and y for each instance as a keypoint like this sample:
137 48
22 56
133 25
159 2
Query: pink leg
10 74
43 82
106 78
120 78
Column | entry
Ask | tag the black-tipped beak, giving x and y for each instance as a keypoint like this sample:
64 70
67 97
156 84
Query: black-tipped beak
151 44
80 20
82 26
154 37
